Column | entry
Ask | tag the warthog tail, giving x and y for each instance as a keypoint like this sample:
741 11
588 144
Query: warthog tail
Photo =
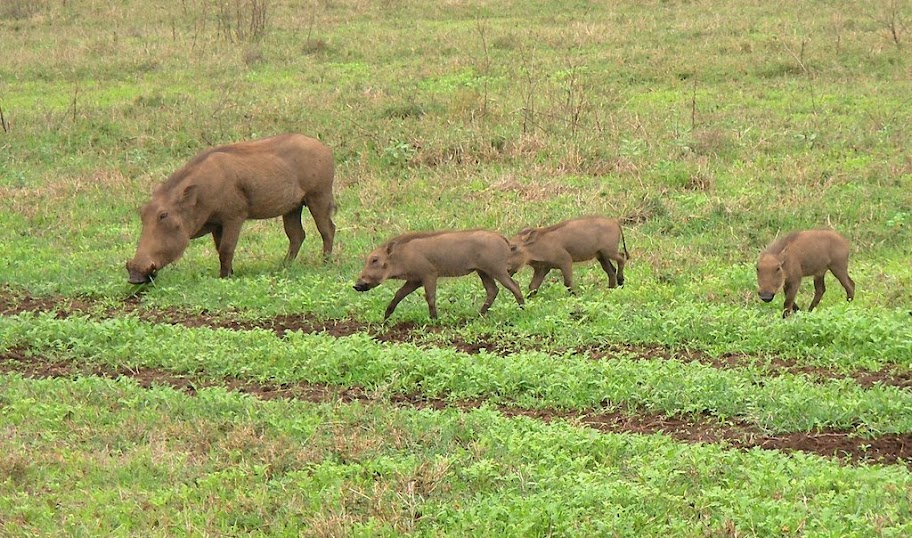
624 242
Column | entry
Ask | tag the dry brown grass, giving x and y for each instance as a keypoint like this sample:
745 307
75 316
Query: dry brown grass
33 201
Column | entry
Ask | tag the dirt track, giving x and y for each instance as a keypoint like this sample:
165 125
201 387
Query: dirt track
887 448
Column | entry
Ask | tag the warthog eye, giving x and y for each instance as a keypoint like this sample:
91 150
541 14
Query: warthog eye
163 215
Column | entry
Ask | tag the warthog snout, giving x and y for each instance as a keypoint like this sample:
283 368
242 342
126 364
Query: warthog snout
140 275
766 296
139 279
363 286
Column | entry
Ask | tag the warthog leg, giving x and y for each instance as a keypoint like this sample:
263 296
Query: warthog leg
791 290
321 208
407 288
491 291
295 232
819 288
230 233
842 274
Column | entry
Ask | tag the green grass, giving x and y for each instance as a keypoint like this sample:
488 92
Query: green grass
786 403
92 456
713 126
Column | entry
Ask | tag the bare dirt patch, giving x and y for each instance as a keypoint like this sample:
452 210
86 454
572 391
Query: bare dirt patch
846 446
12 303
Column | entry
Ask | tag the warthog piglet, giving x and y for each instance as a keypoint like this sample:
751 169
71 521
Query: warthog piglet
801 254
561 245
420 258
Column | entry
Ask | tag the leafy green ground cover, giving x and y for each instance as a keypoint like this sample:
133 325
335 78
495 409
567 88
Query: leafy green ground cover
93 456
710 127
785 403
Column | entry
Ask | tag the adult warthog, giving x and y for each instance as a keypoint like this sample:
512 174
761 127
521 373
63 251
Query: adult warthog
222 187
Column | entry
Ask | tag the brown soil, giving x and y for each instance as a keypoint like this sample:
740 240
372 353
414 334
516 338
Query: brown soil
890 448
12 303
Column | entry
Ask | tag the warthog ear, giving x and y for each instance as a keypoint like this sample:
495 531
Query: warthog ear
189 196
389 247
529 235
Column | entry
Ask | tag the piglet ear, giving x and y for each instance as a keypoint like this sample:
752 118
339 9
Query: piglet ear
189 196
529 235
389 247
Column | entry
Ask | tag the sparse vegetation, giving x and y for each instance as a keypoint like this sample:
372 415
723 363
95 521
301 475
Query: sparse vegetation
21 9
243 20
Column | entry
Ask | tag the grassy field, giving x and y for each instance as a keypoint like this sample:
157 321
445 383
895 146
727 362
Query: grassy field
277 402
